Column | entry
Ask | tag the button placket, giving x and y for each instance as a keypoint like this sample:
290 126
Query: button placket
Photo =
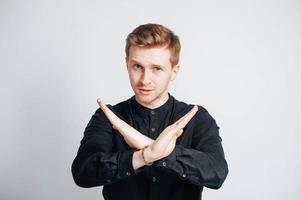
152 124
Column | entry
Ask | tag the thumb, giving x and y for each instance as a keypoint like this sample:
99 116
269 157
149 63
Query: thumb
179 133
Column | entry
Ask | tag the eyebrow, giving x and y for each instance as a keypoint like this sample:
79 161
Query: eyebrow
153 64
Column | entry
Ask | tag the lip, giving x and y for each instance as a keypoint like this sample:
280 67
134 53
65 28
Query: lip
144 91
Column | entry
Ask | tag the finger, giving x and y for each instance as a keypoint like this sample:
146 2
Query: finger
102 105
109 114
181 123
124 128
188 116
191 111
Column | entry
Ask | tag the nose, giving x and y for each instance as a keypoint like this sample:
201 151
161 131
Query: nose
145 78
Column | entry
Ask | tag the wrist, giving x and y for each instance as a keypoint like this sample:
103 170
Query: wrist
146 156
138 161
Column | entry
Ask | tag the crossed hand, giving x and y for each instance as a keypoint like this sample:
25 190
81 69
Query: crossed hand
159 148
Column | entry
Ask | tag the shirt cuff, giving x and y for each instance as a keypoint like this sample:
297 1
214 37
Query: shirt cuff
170 162
125 164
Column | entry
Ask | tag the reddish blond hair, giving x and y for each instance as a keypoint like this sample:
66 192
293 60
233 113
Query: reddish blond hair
154 35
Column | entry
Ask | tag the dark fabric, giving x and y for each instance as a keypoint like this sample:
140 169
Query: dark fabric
104 158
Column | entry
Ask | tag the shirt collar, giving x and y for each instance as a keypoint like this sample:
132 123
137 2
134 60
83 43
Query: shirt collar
138 108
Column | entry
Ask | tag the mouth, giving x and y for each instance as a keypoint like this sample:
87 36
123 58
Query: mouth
144 91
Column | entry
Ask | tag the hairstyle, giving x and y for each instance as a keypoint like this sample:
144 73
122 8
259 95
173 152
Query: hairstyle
154 35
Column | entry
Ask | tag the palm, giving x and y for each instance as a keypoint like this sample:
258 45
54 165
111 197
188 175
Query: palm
133 138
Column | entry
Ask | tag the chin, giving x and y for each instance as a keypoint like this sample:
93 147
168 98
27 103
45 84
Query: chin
145 98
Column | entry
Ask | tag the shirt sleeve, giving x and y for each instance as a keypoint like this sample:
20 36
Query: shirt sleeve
204 163
96 162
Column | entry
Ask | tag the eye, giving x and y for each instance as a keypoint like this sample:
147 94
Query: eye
158 68
137 66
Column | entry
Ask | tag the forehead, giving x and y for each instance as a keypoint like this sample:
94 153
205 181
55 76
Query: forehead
152 55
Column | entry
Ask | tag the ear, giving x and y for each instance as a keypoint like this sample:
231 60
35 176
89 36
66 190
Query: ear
175 70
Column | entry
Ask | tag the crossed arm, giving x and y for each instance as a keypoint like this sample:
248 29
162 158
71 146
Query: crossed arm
202 165
154 149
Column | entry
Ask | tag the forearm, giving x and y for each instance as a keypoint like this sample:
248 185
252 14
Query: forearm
137 140
100 168
200 168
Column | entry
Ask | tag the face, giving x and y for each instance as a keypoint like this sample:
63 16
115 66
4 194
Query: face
150 73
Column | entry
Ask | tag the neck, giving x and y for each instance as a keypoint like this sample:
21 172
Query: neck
155 103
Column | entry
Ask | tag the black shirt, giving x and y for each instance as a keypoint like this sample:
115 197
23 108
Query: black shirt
104 158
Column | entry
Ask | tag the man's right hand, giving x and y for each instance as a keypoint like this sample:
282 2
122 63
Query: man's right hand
166 141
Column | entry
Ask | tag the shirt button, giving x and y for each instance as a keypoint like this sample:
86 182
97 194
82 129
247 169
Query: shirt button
128 173
154 179
108 181
184 175
152 112
164 164
153 129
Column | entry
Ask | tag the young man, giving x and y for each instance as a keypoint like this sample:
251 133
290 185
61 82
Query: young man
151 146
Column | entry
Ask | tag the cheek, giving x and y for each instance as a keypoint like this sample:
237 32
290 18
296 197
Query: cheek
134 77
163 80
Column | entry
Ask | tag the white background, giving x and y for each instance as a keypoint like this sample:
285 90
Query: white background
240 59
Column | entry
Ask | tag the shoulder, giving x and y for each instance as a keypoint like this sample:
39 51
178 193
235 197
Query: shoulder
120 109
117 109
201 117
99 117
